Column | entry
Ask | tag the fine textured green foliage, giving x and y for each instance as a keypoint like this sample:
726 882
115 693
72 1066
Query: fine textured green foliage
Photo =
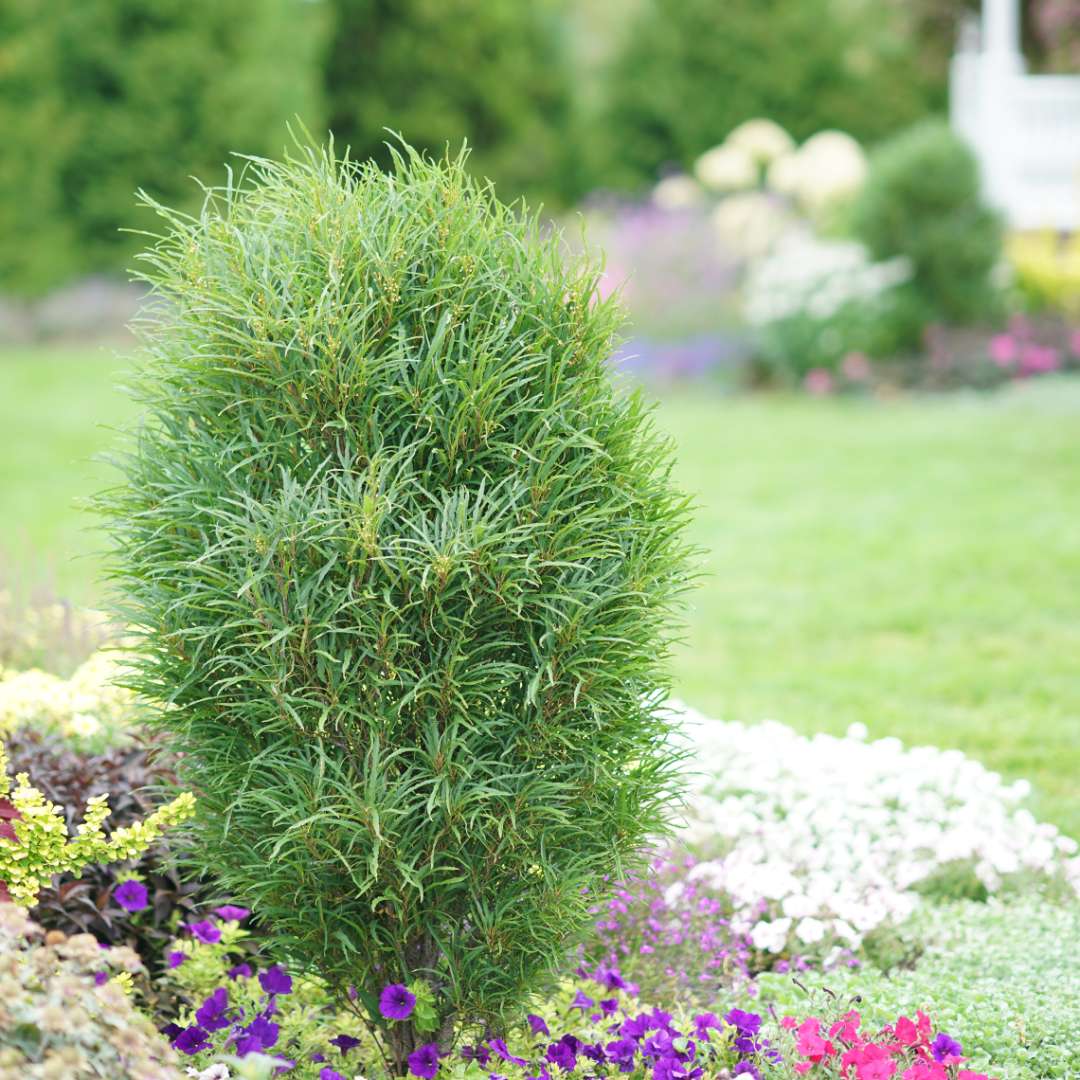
99 97
921 200
494 72
1001 978
404 561
691 70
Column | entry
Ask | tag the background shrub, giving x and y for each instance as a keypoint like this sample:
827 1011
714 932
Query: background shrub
494 73
922 201
132 777
691 70
404 561
101 97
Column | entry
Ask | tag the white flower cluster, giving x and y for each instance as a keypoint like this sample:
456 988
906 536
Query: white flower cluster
808 275
818 840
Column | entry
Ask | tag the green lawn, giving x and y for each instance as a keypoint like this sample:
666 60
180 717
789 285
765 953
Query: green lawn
914 566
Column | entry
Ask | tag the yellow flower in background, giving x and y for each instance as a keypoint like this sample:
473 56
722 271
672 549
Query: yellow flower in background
1047 268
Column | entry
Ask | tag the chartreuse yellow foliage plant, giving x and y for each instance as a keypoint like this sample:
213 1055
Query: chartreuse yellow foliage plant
403 560
34 840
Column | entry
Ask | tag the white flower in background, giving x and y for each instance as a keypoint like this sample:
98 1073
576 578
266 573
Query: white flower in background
726 168
764 140
816 841
676 192
808 275
782 175
749 223
832 167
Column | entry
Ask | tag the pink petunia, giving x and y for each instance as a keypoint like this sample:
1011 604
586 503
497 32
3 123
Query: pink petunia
1003 350
818 382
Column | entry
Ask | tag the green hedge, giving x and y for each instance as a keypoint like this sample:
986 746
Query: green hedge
691 70
100 97
440 71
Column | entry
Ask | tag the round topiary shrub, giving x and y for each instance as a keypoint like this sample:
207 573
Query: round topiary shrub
922 201
403 559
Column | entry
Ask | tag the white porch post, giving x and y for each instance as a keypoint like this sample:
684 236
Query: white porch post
1001 30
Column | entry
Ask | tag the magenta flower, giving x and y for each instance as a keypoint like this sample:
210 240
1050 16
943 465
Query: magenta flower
424 1062
1003 350
176 958
396 1002
205 931
275 980
231 913
946 1049
131 896
330 1074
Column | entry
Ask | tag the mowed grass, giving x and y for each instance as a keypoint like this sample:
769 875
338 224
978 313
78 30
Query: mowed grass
914 565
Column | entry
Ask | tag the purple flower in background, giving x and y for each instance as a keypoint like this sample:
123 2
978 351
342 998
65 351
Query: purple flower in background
330 1074
192 1040
480 1054
259 1035
746 1068
500 1050
344 1043
275 980
424 1062
747 1023
101 978
537 1025
231 913
131 896
171 1030
205 931
211 1013
582 1001
396 1002
945 1046
241 971
176 958
703 1023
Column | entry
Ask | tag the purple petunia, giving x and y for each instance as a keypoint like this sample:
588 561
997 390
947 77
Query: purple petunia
259 1035
562 1053
396 1002
192 1040
330 1074
205 931
945 1046
231 913
241 971
275 980
424 1061
500 1050
345 1043
211 1014
582 1001
131 896
537 1025
176 958
621 1052
480 1054
746 1068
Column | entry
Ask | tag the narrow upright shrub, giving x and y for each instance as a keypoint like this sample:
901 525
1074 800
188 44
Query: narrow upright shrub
403 559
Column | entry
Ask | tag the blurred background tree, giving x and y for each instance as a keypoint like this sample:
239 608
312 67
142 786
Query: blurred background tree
100 97
691 70
441 71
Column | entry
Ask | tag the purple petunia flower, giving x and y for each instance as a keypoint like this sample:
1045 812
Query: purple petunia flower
500 1050
345 1043
945 1046
211 1013
703 1023
192 1040
171 1030
241 971
205 931
260 1034
176 958
582 1001
231 913
621 1052
275 980
330 1074
537 1025
396 1002
747 1023
424 1062
131 896
746 1068
480 1054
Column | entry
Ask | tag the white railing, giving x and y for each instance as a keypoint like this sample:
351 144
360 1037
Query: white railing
1024 129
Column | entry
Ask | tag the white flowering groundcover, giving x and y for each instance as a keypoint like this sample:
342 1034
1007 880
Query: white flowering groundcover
817 841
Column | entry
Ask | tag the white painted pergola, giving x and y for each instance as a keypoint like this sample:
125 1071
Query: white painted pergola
1025 129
